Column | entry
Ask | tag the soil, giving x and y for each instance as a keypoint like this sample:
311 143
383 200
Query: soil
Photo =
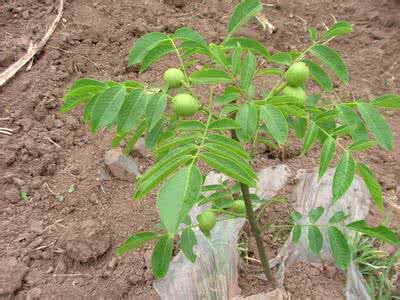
62 237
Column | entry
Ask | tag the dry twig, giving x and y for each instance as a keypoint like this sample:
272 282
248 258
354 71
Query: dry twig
32 50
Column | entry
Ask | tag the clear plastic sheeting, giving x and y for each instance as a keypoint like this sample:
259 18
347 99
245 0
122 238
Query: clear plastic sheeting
214 275
311 193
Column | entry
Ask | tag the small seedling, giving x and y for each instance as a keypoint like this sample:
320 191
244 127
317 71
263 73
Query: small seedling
24 196
185 130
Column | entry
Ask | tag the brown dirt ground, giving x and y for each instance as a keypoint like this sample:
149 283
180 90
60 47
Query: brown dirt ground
93 40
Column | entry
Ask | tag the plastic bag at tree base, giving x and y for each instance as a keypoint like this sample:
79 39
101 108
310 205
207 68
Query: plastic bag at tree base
214 275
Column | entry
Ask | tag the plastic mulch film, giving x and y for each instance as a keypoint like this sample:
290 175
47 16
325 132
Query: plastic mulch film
311 193
214 275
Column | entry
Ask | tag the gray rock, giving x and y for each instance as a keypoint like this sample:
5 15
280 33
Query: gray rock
87 240
121 166
140 148
12 273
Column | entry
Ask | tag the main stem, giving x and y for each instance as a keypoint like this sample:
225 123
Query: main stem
256 229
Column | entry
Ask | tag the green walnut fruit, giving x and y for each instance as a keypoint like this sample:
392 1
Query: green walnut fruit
297 74
185 105
239 207
207 221
174 77
296 92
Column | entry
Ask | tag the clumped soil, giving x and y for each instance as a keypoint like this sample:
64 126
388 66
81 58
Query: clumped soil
62 240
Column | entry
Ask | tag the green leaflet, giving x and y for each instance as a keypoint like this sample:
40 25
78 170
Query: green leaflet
229 167
157 174
276 123
155 109
310 137
372 184
339 216
340 248
188 241
344 175
81 91
87 113
154 135
136 241
177 196
228 143
242 13
162 256
332 60
132 110
247 73
107 107
247 43
236 61
362 145
190 125
296 234
156 53
327 154
381 232
247 118
224 124
350 118
387 101
219 55
281 58
315 214
143 46
377 124
319 76
315 239
225 152
209 76
188 34
338 29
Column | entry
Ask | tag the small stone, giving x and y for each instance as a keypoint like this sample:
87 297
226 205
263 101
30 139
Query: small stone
121 166
140 148
50 270
12 274
113 263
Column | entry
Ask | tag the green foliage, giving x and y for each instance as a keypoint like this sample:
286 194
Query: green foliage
235 113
